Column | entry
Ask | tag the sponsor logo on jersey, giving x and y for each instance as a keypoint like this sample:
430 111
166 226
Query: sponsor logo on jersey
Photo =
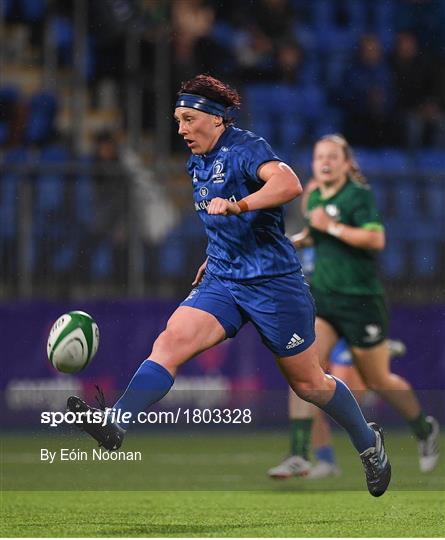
218 174
294 341
203 192
374 332
195 179
332 211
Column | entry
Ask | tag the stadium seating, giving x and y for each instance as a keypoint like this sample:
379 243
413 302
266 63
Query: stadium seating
393 161
42 113
51 219
32 10
63 35
185 244
9 194
430 159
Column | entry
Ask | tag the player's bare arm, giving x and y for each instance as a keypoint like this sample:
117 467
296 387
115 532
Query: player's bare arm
281 185
359 237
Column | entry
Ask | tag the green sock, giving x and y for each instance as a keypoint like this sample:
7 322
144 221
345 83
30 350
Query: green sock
300 437
421 428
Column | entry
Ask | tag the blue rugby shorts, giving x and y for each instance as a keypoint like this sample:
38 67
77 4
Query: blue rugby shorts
281 309
340 354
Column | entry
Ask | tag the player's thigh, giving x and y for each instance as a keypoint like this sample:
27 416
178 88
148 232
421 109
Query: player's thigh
373 364
325 337
189 331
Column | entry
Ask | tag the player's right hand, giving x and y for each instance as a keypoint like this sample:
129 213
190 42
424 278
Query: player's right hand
223 207
200 273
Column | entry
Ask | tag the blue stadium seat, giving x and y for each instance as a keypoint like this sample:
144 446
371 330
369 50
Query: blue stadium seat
432 160
335 40
50 186
42 113
426 235
101 261
384 19
334 69
172 257
50 218
7 6
9 194
4 133
302 160
260 109
331 121
406 201
393 160
306 37
83 193
426 258
224 34
368 160
63 33
311 71
289 118
392 258
313 102
322 14
33 10
180 246
435 202
51 222
356 15
381 196
9 94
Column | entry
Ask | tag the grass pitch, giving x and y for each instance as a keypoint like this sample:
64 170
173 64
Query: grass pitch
211 485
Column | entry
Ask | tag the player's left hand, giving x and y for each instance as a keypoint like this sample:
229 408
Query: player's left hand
223 207
319 219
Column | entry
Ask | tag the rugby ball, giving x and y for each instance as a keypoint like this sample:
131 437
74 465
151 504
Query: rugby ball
72 342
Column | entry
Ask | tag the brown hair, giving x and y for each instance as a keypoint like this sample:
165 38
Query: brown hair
211 88
355 172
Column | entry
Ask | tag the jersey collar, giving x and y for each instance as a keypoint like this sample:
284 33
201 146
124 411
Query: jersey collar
223 139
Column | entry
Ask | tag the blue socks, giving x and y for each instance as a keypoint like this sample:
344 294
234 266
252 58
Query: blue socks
325 453
149 384
344 409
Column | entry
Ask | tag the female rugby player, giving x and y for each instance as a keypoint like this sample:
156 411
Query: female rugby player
251 273
346 232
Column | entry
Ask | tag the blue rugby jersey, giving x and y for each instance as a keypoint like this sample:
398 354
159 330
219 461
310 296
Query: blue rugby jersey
253 244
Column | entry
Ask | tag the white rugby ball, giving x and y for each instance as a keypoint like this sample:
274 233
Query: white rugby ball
72 342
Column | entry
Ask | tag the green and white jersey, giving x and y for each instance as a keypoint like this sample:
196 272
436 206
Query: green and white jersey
339 267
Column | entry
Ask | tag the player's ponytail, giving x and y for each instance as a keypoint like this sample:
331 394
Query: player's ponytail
355 172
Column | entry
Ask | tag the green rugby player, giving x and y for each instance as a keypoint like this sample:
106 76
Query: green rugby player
346 231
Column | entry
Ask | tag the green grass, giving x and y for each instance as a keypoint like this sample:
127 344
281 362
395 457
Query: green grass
220 514
196 484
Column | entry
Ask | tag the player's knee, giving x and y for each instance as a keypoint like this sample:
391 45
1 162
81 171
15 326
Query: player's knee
306 391
315 390
172 342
